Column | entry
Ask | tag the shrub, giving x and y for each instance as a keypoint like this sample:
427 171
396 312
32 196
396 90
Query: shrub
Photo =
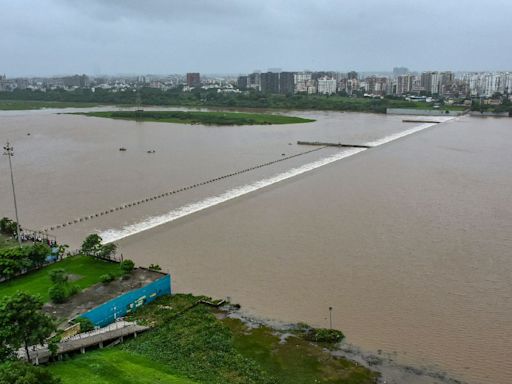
154 267
324 335
127 266
107 278
73 290
58 276
57 293
86 325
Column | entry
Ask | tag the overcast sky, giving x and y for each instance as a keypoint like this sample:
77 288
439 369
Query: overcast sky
53 37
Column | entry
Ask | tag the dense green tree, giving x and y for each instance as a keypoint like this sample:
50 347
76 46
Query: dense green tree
23 323
17 372
107 250
92 245
37 253
15 260
7 226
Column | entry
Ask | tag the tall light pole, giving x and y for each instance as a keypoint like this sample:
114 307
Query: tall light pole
330 317
9 152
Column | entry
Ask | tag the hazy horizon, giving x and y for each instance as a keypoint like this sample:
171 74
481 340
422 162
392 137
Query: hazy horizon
64 37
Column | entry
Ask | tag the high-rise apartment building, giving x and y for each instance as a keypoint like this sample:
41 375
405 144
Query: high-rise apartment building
286 83
254 81
193 79
404 84
326 86
242 82
270 82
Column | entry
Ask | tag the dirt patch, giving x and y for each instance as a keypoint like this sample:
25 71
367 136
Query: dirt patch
72 277
98 294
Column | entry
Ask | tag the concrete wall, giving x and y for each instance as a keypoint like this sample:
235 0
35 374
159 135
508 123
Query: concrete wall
422 112
128 302
476 113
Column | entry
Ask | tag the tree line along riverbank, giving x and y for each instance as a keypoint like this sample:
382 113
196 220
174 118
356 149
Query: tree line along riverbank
28 99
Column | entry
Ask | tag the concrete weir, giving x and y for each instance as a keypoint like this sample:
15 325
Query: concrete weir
420 121
333 144
196 185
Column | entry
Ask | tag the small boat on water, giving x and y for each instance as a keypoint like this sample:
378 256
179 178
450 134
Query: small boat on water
151 151
122 149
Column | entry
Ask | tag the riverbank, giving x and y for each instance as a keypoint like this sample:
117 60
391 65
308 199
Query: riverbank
204 98
196 343
22 105
205 118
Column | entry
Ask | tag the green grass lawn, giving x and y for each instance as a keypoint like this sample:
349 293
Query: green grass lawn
207 118
114 366
87 268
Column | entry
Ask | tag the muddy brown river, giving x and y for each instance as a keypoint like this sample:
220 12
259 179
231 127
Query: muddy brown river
409 242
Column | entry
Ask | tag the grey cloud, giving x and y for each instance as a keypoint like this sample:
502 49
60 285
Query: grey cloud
229 36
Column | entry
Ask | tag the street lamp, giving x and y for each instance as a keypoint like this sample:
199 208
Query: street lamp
330 317
9 152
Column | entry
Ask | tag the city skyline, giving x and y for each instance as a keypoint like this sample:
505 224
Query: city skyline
56 37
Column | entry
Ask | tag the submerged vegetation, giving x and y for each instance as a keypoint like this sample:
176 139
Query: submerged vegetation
206 118
191 342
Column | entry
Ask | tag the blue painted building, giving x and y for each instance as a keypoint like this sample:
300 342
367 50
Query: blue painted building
128 302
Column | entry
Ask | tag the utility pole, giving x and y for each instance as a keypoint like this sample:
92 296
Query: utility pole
9 152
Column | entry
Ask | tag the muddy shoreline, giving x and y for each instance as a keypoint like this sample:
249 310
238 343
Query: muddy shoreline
390 370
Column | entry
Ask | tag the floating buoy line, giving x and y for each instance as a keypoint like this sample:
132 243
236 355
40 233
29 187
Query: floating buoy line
172 192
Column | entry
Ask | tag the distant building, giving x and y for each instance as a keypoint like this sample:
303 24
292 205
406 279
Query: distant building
254 81
193 79
21 83
270 82
242 82
303 82
326 86
437 82
352 75
376 85
400 71
75 81
430 82
404 84
301 77
287 83
349 85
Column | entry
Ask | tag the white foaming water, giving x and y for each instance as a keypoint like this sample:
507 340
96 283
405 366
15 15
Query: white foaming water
152 222
407 132
112 235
